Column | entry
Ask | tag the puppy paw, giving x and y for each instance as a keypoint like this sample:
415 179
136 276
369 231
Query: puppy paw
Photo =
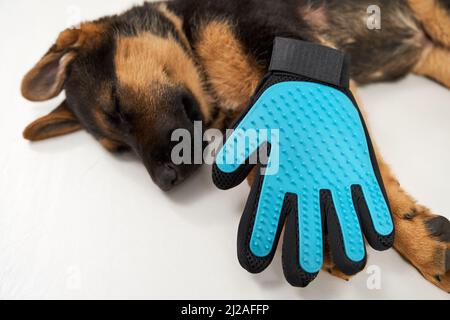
424 240
441 281
439 231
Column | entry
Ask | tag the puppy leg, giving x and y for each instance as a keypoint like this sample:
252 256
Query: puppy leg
435 18
421 237
435 64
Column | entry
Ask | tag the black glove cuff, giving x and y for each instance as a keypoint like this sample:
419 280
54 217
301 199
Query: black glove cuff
311 60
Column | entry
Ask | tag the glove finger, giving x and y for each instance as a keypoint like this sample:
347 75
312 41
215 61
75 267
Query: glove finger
375 217
237 159
344 233
261 225
303 242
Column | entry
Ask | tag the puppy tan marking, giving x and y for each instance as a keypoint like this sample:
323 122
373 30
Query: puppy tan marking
87 36
435 19
436 65
233 74
177 22
165 62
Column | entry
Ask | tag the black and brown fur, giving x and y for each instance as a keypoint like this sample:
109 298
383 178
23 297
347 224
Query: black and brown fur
131 79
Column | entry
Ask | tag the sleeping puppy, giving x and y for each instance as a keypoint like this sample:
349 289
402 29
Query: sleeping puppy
132 79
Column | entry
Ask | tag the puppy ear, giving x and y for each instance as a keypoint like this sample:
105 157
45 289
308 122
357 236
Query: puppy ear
59 122
46 79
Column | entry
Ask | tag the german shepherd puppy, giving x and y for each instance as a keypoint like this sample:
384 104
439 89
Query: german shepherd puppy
131 79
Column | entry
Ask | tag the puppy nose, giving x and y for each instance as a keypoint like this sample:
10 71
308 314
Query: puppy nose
166 177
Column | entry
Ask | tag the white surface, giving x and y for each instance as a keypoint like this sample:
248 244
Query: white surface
77 222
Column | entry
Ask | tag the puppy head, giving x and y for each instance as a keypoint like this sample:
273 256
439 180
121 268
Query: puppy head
130 84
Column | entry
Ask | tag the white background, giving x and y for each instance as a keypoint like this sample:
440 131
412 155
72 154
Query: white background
77 222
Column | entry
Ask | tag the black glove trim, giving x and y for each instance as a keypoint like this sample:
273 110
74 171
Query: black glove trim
310 60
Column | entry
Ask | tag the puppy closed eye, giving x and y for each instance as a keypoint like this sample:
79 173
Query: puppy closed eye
115 115
191 108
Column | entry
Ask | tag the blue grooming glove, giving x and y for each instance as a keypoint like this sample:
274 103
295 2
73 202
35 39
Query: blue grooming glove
320 177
